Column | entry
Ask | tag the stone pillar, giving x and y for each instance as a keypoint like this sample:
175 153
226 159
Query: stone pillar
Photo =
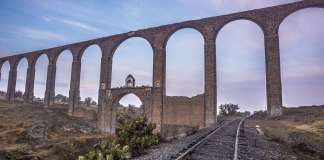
106 111
158 85
50 83
29 87
74 93
105 77
273 75
210 80
11 87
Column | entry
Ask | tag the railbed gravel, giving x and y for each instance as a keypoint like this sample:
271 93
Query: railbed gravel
170 150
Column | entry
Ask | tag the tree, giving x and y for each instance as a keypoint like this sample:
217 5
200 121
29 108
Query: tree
62 98
87 101
18 94
93 103
228 109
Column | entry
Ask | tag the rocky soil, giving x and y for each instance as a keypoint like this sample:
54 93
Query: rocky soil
31 132
300 129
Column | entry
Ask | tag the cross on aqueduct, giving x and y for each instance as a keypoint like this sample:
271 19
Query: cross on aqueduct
154 99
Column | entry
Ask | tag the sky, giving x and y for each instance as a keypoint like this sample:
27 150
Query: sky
29 25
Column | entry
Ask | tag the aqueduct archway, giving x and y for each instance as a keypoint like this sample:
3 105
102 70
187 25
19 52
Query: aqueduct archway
269 19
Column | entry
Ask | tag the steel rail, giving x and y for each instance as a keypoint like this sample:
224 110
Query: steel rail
188 151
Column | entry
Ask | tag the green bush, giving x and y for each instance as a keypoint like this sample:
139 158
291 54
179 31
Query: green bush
138 135
133 137
107 150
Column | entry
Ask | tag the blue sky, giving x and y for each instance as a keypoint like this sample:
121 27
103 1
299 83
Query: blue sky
29 25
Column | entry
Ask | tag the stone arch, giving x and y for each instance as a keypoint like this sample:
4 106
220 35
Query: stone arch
300 41
249 19
87 46
130 36
122 95
143 93
5 69
63 75
200 56
171 32
137 53
89 85
41 63
297 9
21 74
251 66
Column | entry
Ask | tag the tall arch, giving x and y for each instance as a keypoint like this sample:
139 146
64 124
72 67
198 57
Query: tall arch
21 77
40 76
134 56
90 72
301 44
63 76
241 65
5 68
185 63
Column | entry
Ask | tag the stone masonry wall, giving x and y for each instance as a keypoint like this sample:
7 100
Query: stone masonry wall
182 115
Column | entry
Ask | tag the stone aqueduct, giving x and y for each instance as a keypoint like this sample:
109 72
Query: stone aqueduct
268 19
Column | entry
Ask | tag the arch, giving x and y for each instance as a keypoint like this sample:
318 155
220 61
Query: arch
241 77
5 68
21 75
134 56
87 46
259 24
130 37
175 30
130 99
63 75
40 75
90 72
301 37
297 9
192 59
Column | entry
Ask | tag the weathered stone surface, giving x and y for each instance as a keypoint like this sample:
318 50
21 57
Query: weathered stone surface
156 102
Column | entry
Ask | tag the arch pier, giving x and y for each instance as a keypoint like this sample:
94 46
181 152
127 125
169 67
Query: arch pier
158 105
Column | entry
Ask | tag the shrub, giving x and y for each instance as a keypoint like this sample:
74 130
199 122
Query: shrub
107 150
138 135
133 137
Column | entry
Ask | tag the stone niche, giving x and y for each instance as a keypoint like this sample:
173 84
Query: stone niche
182 115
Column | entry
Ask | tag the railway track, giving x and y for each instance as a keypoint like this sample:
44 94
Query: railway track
226 142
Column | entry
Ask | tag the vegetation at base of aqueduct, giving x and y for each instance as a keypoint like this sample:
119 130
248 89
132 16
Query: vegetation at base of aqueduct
133 137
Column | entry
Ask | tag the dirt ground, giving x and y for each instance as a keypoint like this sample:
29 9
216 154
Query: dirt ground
301 129
30 132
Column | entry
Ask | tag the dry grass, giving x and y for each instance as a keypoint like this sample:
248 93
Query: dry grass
300 128
60 143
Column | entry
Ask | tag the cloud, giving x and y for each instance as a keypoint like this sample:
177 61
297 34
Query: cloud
39 34
80 25
46 19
